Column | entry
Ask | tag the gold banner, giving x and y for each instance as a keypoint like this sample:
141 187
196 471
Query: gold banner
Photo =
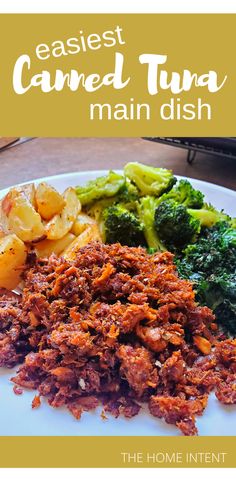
158 452
117 75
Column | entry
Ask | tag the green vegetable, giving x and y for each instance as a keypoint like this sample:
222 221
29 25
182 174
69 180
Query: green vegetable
211 264
174 225
185 194
149 180
208 215
233 222
146 211
102 187
128 195
121 225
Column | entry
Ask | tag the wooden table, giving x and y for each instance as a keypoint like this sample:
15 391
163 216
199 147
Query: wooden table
48 156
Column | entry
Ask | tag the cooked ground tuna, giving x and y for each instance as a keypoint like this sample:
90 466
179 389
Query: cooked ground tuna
116 327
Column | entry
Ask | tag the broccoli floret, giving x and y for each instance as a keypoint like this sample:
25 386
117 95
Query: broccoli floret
208 215
152 181
127 196
233 222
96 209
146 211
210 264
121 225
174 225
101 188
185 194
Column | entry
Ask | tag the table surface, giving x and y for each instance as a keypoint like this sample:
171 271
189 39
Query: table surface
41 157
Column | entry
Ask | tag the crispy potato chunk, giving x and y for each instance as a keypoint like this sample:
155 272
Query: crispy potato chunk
29 191
90 234
12 259
46 247
19 216
81 223
61 224
49 202
3 231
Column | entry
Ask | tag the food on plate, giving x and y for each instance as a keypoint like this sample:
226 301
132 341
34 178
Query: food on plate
23 212
146 209
127 295
183 193
81 223
91 233
49 202
208 215
149 180
116 327
121 225
155 211
210 263
47 247
12 260
102 187
19 216
29 191
60 224
174 225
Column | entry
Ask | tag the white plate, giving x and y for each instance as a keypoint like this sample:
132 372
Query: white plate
18 419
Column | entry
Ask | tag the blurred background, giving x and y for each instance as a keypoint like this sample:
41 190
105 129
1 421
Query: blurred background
29 158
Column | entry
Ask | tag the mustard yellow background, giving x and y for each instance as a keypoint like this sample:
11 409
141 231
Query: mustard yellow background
198 42
97 451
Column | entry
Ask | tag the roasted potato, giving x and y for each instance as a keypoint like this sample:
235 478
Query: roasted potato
29 191
81 223
61 224
12 259
19 216
46 247
90 234
49 202
3 231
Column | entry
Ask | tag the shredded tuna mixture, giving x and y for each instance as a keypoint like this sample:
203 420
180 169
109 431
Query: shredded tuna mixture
116 327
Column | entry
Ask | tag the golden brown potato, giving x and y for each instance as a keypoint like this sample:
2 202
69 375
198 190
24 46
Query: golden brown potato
90 234
19 216
81 223
49 202
12 259
61 224
46 247
29 191
3 231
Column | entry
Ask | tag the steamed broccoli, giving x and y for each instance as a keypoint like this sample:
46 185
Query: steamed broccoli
100 188
208 215
127 196
210 264
233 222
146 211
121 225
174 225
185 194
95 210
149 180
